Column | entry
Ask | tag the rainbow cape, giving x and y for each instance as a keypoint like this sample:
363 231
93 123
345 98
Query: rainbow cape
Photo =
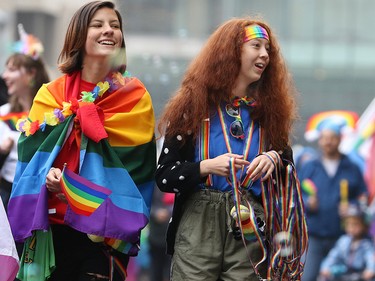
123 163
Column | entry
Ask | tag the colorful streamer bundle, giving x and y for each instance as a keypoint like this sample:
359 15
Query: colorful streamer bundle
286 225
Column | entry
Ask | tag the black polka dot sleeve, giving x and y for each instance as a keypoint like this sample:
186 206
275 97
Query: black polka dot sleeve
175 171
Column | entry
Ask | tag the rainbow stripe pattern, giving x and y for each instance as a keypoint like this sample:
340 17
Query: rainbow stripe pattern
83 196
316 122
255 31
246 225
309 187
11 119
119 167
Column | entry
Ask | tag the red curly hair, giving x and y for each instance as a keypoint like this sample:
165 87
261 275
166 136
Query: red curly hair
211 77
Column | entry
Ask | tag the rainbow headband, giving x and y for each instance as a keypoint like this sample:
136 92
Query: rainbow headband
255 31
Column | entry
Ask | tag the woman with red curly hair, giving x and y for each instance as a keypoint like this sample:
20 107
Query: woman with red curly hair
226 132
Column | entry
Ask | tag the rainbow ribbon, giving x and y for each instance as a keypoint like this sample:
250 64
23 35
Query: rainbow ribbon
284 211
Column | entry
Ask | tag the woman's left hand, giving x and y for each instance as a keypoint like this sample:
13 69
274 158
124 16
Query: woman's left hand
261 167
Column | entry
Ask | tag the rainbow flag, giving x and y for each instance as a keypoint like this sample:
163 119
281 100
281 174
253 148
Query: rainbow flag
83 196
124 163
12 118
309 187
343 118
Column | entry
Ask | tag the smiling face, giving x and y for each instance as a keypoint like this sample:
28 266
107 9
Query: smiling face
104 35
17 79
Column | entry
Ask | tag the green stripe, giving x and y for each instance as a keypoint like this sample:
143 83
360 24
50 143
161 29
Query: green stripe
139 161
28 146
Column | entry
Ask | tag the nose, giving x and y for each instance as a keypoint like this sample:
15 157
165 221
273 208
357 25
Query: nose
107 29
264 53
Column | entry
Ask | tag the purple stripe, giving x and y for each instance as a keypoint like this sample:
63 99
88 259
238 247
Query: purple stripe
27 213
109 221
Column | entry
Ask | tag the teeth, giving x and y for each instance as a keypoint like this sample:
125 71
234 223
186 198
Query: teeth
107 43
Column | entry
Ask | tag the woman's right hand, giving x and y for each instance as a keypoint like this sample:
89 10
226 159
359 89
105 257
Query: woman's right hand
220 164
53 183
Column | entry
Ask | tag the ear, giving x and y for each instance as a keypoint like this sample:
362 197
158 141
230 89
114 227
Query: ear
32 72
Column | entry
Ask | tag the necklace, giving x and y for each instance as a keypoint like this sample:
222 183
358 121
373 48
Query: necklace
57 116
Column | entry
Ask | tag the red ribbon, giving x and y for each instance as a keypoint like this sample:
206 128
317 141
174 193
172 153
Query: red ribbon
91 120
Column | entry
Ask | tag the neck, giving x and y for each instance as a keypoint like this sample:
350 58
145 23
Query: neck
239 90
95 71
332 156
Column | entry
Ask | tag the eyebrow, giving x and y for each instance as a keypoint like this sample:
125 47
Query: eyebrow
111 21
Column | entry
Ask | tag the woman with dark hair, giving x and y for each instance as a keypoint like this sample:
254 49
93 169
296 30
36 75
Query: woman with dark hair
87 158
24 75
225 152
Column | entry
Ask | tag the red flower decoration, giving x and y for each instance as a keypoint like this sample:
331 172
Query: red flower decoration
74 107
34 126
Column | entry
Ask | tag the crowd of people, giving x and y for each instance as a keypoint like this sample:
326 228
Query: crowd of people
334 187
224 200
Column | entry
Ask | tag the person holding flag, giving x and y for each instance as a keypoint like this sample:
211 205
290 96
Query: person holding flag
84 181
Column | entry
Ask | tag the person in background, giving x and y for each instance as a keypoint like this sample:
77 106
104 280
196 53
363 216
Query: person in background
226 132
86 159
329 183
24 74
353 253
160 215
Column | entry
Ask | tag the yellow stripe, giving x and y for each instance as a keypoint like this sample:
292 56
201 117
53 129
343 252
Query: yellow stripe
132 128
43 102
81 200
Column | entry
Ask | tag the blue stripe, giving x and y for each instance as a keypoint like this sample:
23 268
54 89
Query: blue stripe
33 173
119 181
84 188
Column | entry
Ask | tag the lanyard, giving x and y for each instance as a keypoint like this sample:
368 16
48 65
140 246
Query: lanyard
204 144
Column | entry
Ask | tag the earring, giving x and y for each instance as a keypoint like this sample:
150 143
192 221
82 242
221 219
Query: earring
32 83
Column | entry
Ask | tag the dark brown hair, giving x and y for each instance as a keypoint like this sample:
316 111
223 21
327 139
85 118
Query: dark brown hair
71 56
31 65
211 76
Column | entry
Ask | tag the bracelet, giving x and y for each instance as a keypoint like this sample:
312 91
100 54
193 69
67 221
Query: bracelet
271 158
278 159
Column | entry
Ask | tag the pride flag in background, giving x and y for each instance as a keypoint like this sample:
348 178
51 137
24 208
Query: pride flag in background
83 196
12 118
309 187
